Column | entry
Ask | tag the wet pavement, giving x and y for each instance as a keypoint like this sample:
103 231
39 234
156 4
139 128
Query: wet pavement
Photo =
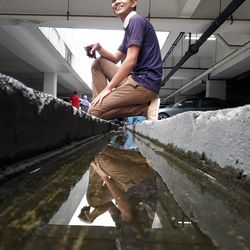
121 192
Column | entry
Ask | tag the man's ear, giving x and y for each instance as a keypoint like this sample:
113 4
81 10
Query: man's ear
134 3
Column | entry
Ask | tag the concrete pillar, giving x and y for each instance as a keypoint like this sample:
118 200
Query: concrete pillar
177 98
216 89
50 83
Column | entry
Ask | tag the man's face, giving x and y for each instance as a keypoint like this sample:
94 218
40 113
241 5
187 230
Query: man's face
122 8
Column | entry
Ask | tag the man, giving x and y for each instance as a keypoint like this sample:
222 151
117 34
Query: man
74 99
127 90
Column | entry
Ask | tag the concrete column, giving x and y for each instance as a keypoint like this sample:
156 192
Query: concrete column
50 83
177 98
216 89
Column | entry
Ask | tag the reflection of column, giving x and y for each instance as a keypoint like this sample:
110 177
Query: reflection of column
216 89
50 83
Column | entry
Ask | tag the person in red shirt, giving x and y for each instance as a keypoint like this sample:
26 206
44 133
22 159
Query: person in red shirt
74 99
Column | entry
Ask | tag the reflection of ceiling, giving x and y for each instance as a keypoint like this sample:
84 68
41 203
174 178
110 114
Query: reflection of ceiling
188 16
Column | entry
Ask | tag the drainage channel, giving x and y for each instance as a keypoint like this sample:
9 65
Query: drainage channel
121 192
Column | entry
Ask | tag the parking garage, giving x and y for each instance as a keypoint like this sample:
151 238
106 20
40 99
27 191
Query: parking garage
199 160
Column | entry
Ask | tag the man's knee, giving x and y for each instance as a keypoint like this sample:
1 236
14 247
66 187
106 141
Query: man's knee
92 200
97 63
94 112
90 111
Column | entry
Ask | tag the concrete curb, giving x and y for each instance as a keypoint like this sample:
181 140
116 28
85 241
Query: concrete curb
221 136
33 122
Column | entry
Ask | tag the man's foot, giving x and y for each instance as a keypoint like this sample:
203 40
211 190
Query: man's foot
153 109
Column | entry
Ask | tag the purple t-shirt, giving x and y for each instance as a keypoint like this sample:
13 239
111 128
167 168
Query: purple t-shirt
148 70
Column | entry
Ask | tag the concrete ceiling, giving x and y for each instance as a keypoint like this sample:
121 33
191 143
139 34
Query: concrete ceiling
174 16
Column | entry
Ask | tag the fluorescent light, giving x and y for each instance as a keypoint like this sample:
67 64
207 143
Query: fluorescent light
196 36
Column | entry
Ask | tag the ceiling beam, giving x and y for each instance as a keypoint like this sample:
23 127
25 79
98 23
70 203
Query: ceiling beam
189 8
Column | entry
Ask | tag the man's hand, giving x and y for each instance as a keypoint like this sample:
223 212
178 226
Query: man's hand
99 171
100 97
91 49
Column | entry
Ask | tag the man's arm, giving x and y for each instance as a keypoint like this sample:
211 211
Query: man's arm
92 48
120 198
126 67
115 58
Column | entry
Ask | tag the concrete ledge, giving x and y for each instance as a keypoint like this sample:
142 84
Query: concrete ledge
221 210
221 136
33 122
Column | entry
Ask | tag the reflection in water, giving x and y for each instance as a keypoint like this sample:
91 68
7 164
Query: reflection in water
37 209
122 183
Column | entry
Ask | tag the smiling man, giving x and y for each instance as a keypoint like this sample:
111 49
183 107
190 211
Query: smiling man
132 88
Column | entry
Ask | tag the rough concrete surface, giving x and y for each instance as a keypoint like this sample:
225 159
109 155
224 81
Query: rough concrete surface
217 209
33 122
223 135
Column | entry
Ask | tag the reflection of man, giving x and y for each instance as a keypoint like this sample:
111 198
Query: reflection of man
123 176
136 83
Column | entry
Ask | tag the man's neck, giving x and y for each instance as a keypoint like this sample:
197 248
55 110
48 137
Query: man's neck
127 18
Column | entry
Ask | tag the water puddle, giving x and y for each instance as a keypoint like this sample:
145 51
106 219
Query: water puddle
121 192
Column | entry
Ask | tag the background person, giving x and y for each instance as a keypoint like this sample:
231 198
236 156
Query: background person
74 99
84 103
